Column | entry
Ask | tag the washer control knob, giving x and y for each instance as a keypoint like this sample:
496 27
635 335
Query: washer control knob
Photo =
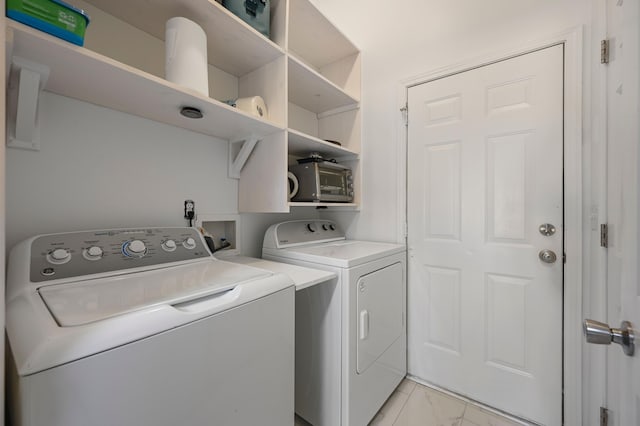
332 227
169 245
59 256
135 248
325 227
189 243
92 253
311 227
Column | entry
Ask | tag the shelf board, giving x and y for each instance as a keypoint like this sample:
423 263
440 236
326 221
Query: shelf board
301 145
314 38
81 74
312 91
311 204
232 45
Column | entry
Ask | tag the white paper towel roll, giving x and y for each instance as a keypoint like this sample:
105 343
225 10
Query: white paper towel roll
186 54
254 105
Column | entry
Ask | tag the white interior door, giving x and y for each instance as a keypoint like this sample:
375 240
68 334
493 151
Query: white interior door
623 256
484 173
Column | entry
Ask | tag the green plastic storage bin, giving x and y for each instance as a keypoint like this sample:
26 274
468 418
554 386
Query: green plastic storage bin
256 13
52 16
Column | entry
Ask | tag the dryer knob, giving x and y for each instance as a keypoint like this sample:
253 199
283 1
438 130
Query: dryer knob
311 227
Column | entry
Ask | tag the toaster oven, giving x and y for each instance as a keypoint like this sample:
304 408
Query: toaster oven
323 181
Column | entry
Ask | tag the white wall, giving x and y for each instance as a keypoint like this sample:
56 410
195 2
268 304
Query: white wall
98 168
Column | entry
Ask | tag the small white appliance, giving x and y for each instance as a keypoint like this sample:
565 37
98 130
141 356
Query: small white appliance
350 333
145 327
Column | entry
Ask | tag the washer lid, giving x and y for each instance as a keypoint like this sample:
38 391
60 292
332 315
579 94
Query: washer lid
344 254
94 300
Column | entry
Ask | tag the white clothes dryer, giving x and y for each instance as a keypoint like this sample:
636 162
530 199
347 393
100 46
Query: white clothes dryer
137 327
350 332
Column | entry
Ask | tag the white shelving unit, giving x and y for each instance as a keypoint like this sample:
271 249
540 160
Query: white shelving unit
301 144
324 92
313 91
88 76
307 72
232 45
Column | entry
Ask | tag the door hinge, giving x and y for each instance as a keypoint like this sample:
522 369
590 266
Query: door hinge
604 235
604 51
604 416
405 114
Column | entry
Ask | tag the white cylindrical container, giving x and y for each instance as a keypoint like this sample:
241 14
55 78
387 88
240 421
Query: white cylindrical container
186 54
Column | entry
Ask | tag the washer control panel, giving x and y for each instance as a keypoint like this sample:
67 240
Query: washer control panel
73 254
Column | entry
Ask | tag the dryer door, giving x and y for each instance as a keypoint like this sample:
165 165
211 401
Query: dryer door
379 301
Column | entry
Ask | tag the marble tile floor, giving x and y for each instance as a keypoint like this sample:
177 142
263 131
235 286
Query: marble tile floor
413 404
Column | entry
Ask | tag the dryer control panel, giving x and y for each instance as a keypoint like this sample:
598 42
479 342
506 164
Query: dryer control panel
73 254
298 232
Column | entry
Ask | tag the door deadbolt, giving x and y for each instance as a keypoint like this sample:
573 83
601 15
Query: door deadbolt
547 256
547 229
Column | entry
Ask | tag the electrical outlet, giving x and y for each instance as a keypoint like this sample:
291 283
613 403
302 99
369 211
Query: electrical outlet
189 209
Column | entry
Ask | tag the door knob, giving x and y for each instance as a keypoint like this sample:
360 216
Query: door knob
601 334
547 256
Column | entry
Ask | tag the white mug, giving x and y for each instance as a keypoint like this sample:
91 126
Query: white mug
292 179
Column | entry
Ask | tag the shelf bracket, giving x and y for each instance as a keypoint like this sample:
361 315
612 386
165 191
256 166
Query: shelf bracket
239 152
26 82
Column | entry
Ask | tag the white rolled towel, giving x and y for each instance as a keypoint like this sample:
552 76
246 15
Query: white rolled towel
254 105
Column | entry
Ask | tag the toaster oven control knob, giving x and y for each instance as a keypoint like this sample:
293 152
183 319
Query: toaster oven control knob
189 243
92 253
311 227
134 248
169 245
59 256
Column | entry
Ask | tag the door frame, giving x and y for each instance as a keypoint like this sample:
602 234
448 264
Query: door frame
573 195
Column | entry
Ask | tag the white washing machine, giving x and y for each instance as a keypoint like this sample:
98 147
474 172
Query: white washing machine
142 327
350 332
